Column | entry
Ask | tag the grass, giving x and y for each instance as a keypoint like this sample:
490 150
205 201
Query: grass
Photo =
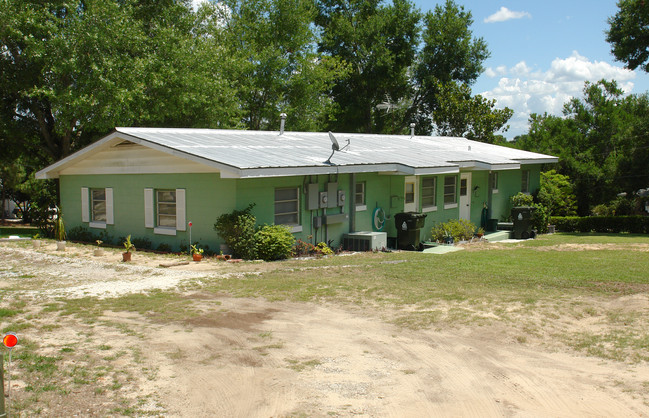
537 290
523 274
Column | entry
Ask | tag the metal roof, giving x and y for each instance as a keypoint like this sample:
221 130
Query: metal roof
267 153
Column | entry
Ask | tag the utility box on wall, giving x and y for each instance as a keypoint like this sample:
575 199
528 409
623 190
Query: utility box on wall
332 195
313 197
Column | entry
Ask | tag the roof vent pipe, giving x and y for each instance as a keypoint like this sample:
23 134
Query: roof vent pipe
282 123
412 129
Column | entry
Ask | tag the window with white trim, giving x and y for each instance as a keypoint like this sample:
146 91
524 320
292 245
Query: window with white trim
450 190
428 192
166 208
98 205
525 181
410 192
493 182
359 194
287 206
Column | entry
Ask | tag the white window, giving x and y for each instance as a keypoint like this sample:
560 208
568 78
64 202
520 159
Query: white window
428 193
287 206
97 207
493 182
450 190
166 208
525 181
410 192
166 213
359 196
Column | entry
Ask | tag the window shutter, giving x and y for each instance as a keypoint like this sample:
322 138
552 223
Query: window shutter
148 208
180 210
85 202
110 219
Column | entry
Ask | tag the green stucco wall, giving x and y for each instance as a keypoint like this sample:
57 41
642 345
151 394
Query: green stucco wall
208 196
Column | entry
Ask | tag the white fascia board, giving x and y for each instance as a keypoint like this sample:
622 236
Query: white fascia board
549 160
52 171
437 170
319 170
502 167
482 166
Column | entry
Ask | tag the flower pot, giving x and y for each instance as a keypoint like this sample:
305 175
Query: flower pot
220 257
36 243
197 257
126 256
98 252
60 245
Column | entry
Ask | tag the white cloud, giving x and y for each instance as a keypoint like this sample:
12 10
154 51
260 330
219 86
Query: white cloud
505 14
196 4
527 91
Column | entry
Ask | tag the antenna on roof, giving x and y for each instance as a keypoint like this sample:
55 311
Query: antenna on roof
334 147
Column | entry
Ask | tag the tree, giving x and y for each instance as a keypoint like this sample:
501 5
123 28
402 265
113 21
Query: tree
460 114
450 62
602 143
378 43
71 71
556 194
628 33
278 67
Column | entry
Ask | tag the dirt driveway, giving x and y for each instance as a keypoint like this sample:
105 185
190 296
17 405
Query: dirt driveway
244 357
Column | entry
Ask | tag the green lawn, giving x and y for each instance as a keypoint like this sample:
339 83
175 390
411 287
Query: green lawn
513 272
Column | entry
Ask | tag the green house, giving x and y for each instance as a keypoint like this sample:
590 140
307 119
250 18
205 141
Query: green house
153 182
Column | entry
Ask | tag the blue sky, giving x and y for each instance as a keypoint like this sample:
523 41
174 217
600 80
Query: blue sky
542 52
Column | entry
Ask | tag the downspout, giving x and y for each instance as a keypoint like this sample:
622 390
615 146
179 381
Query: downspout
352 203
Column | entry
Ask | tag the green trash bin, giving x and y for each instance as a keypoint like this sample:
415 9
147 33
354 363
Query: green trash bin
522 218
409 226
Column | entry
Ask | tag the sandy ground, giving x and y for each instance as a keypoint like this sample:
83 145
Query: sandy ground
255 358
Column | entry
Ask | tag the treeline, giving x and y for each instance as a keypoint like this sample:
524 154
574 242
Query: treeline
72 70
602 141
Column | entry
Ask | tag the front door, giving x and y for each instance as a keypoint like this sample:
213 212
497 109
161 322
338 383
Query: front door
465 196
410 198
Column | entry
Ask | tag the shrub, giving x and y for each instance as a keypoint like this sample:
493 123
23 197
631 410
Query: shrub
164 248
459 229
323 249
610 224
522 199
556 194
540 218
274 242
142 243
238 231
82 234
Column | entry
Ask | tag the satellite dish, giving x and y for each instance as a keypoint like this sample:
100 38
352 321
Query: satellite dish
334 147
334 142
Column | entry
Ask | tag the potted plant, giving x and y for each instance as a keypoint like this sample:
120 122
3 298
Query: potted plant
197 253
98 250
448 237
59 231
480 232
36 243
126 256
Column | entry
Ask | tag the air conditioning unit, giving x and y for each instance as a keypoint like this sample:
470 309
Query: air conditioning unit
365 241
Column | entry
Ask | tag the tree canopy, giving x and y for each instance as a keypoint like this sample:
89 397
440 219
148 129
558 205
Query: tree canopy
628 33
602 142
72 70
